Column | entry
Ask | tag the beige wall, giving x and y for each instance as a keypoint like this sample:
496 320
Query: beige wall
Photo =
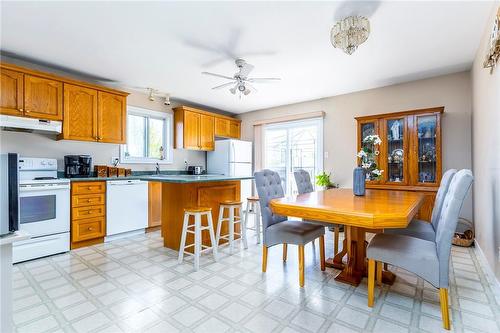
40 145
451 91
486 143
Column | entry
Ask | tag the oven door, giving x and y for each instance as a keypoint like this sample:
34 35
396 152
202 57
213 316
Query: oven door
44 209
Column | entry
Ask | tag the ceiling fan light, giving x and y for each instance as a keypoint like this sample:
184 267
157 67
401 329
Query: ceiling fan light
233 90
241 87
247 91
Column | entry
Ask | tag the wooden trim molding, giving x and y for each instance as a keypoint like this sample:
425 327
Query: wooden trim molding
401 113
300 116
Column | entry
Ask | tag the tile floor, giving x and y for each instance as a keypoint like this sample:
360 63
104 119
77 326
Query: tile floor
136 285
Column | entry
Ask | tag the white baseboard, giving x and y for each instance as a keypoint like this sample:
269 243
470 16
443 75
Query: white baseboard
488 271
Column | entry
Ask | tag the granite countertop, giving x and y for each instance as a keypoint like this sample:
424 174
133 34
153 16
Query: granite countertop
191 178
167 178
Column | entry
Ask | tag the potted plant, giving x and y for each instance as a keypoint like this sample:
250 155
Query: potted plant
323 180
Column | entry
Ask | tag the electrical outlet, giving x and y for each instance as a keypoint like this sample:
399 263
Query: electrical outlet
114 160
326 154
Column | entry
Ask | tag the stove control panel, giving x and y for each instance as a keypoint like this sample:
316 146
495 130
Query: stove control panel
33 163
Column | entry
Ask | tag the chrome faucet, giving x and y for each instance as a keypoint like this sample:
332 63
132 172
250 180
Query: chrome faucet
157 168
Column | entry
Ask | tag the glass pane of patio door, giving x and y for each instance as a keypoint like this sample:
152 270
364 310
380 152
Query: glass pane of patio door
291 146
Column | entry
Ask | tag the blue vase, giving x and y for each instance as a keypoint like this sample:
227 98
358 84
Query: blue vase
358 184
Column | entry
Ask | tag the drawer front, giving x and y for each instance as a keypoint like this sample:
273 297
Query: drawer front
87 212
88 187
88 200
87 229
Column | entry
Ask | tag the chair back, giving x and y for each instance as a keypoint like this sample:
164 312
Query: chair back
441 194
303 181
268 184
448 219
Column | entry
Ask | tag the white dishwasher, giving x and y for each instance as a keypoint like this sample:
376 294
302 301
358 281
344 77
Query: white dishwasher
126 208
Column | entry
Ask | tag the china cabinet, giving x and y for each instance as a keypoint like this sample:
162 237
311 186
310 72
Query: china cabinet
410 152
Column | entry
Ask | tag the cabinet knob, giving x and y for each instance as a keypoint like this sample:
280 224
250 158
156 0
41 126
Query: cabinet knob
27 111
90 228
21 110
89 212
99 138
88 200
90 187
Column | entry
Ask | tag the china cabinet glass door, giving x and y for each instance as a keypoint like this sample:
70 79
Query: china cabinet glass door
427 136
396 150
366 129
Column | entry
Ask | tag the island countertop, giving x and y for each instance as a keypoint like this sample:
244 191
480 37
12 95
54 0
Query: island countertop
166 178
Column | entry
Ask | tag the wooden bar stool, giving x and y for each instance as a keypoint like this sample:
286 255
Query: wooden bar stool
253 207
232 219
196 229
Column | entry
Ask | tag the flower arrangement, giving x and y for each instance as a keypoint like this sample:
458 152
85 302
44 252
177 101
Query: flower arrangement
367 156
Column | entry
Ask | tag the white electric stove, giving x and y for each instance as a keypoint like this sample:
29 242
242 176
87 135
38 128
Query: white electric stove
44 209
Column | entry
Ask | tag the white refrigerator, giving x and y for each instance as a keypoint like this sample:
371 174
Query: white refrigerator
232 158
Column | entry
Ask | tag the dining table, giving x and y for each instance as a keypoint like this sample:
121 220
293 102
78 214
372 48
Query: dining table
373 212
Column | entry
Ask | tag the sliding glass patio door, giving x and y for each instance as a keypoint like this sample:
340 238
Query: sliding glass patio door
291 146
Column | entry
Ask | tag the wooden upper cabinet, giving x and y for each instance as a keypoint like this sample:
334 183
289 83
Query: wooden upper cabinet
191 130
234 129
43 98
227 128
222 127
207 128
11 98
111 118
80 113
196 129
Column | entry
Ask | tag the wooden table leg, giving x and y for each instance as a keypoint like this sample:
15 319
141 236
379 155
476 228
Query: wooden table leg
336 261
356 253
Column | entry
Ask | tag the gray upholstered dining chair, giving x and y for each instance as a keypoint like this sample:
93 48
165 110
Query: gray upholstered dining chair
423 229
427 259
278 229
304 185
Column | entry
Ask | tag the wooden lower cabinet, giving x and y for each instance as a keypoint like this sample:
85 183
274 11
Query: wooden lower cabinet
87 229
154 204
177 196
88 213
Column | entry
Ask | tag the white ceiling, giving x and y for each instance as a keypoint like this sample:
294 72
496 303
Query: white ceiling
166 45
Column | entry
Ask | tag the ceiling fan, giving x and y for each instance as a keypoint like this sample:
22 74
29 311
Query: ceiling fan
240 81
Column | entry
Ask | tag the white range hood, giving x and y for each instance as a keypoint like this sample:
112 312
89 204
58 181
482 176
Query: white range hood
30 124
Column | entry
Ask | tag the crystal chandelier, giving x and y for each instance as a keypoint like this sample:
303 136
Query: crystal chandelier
347 34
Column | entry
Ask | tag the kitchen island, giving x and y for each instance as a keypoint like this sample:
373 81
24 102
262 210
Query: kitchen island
184 191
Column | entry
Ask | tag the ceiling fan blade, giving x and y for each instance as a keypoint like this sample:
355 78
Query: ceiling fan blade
251 86
263 79
218 75
223 85
246 70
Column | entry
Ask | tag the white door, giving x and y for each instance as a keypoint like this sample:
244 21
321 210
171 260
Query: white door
291 146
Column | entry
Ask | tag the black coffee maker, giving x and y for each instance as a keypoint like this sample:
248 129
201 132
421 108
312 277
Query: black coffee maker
76 166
